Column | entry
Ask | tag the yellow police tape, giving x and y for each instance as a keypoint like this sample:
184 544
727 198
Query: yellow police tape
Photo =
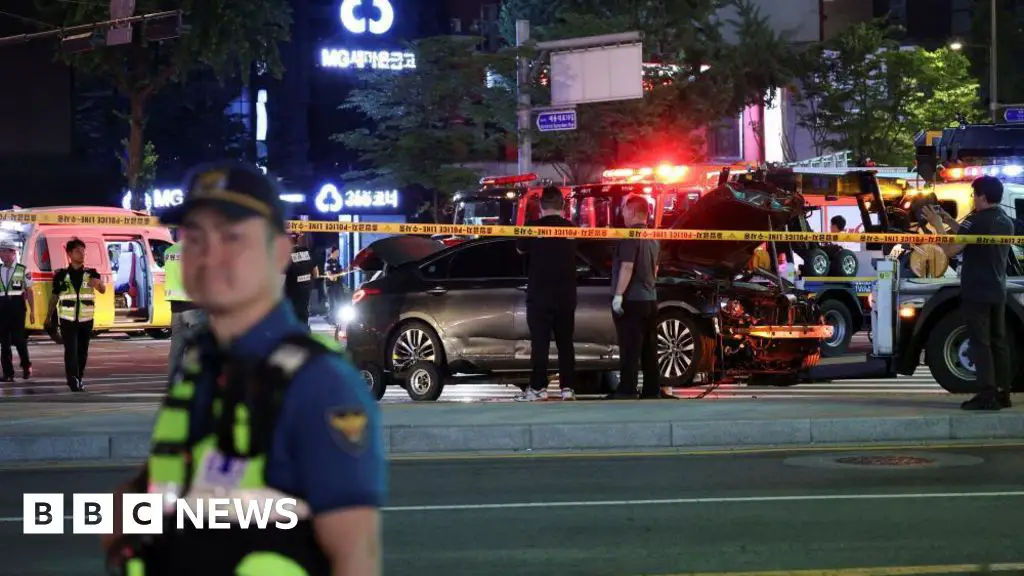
328 226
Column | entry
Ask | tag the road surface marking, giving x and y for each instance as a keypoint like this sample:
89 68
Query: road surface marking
676 501
874 571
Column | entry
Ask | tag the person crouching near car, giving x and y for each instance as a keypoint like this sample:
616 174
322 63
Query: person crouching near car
635 305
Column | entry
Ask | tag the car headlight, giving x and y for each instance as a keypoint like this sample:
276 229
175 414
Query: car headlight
345 315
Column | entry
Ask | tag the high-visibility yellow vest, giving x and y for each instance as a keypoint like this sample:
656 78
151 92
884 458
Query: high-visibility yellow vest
76 305
16 285
173 290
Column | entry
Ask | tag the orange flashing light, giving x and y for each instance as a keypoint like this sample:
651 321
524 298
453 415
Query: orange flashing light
664 174
506 180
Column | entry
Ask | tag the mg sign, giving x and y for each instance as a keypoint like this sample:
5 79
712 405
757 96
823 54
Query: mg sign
157 199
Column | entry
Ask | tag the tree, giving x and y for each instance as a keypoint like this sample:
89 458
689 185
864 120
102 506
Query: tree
225 36
866 94
427 123
714 58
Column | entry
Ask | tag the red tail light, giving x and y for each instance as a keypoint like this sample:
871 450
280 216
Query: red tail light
361 294
506 180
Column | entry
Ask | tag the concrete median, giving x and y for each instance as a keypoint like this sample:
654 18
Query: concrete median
50 431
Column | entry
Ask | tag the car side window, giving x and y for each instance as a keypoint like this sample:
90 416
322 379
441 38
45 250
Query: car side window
489 260
436 270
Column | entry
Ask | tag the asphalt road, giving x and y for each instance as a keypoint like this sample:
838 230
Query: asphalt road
133 369
664 514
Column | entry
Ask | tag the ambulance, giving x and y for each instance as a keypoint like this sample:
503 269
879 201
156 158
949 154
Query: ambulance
500 201
129 258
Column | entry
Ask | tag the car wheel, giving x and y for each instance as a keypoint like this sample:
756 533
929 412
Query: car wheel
816 263
413 342
159 333
838 316
845 264
375 380
685 348
424 382
947 358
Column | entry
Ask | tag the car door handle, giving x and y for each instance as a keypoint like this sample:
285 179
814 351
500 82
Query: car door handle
437 291
524 288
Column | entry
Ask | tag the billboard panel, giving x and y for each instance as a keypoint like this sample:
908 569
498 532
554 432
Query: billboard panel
597 75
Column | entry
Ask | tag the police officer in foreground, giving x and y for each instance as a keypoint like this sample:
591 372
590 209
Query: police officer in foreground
185 316
298 283
15 295
259 407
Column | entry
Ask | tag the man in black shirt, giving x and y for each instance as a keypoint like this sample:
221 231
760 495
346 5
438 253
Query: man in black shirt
550 300
983 291
298 283
74 295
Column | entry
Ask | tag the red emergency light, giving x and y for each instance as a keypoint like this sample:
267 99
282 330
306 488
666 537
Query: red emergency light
663 174
507 180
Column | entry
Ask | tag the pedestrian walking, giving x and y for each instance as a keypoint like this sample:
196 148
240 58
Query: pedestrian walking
298 283
185 316
635 305
264 409
550 301
74 295
983 290
15 299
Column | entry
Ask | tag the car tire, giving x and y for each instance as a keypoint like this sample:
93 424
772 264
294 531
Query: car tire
424 382
159 333
816 263
421 340
845 264
685 348
838 316
375 379
944 354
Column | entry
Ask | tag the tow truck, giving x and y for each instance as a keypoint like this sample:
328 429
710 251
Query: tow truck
912 313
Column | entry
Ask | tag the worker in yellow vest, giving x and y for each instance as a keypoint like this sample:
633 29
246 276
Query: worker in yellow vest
74 295
184 315
15 297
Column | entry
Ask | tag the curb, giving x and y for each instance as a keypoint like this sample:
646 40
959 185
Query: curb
504 438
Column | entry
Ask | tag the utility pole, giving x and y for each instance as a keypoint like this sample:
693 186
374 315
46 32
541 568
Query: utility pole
523 108
993 73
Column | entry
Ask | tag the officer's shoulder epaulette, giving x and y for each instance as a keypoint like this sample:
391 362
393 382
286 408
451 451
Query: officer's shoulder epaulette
293 352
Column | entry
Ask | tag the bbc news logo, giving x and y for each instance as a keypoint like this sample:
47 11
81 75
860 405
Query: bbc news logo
145 513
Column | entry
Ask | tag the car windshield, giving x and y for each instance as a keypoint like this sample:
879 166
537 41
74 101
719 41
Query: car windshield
485 211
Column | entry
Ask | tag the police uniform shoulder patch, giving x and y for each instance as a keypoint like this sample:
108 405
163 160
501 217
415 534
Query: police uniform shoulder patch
349 426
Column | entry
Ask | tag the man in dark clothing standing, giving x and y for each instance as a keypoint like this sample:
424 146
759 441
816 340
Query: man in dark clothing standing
983 291
635 305
550 300
298 282
74 294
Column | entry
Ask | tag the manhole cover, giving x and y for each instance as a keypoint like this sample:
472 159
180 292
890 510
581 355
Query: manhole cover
885 461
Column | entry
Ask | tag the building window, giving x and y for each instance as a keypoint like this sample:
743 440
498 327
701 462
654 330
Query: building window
725 140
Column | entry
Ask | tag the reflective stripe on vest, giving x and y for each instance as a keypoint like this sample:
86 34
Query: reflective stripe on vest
75 306
304 278
16 285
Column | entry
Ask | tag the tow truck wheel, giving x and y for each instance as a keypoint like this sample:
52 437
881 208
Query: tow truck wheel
816 263
946 354
685 348
424 382
838 316
845 264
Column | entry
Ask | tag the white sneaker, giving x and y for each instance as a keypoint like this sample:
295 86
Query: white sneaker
568 394
531 395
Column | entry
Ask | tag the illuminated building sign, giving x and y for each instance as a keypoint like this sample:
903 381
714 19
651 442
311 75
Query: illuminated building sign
360 24
367 59
158 199
359 17
331 200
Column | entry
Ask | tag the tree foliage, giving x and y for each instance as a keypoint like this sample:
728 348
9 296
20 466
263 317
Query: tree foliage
716 57
428 122
225 36
866 94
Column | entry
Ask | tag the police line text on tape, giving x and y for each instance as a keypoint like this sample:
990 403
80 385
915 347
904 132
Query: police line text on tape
329 226
145 513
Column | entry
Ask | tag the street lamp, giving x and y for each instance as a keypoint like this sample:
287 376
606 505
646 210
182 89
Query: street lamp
956 46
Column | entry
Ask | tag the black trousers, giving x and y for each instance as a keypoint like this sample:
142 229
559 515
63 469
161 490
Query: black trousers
545 317
986 325
12 333
76 336
300 303
636 330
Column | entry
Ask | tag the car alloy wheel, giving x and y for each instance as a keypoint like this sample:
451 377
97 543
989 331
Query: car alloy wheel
412 345
676 347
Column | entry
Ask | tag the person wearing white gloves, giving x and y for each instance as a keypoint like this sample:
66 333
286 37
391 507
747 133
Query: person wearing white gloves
635 305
